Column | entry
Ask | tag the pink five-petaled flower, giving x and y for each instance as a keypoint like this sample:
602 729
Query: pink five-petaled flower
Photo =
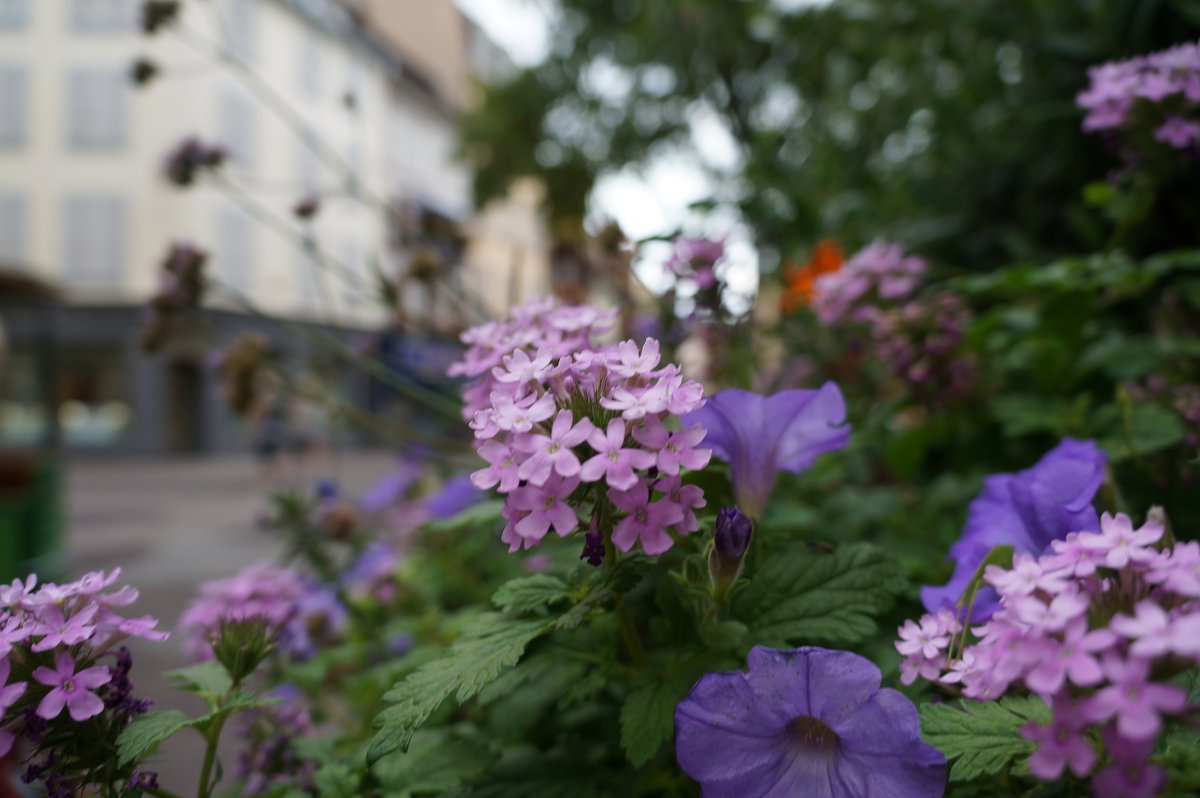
1062 609
14 630
9 693
546 507
60 631
612 461
635 404
1131 775
553 452
1074 659
688 497
520 368
1178 570
629 362
503 468
1136 702
71 689
1154 632
520 416
646 520
674 449
927 638
1119 542
1061 743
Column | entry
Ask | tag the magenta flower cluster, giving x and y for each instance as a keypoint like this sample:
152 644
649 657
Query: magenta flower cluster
295 608
58 633
695 258
540 325
1169 78
880 273
1095 626
570 422
921 342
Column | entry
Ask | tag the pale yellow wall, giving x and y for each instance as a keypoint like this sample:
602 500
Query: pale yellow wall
187 100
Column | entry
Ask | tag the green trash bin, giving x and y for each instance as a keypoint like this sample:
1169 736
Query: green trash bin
30 520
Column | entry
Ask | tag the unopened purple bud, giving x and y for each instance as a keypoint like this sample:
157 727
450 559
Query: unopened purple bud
593 545
734 529
731 540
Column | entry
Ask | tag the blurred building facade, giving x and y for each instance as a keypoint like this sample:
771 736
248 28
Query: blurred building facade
316 98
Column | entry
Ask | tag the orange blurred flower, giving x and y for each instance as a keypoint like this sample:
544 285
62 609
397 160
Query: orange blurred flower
827 258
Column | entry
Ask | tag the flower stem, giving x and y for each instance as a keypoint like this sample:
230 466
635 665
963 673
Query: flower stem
210 757
629 633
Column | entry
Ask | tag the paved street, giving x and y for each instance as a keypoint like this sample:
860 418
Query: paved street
170 525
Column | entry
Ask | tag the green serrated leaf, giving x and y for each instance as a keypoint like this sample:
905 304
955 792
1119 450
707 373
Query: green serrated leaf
1153 427
435 762
982 737
141 737
336 780
530 593
207 678
805 596
648 717
490 644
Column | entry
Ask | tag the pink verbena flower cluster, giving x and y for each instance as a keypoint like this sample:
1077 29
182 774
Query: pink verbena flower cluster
879 271
695 258
1169 78
1096 627
921 341
593 427
57 634
296 609
542 325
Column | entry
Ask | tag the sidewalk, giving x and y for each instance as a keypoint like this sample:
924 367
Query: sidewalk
170 525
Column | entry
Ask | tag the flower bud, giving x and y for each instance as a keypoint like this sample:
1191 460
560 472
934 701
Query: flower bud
241 645
339 521
730 542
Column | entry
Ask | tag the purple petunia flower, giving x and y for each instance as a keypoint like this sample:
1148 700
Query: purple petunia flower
1028 510
455 495
809 722
759 435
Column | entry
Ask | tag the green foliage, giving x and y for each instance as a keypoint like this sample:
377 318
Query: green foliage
982 737
142 737
804 596
947 125
530 593
490 644
648 716
337 780
435 762
208 679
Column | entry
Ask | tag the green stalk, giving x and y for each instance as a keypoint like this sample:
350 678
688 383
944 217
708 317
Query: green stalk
629 634
210 757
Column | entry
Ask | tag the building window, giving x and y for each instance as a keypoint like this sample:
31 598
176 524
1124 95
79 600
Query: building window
237 128
14 14
238 27
14 99
96 232
13 223
97 106
103 16
235 249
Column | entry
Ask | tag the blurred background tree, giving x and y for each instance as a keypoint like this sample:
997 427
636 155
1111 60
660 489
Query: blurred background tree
948 126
